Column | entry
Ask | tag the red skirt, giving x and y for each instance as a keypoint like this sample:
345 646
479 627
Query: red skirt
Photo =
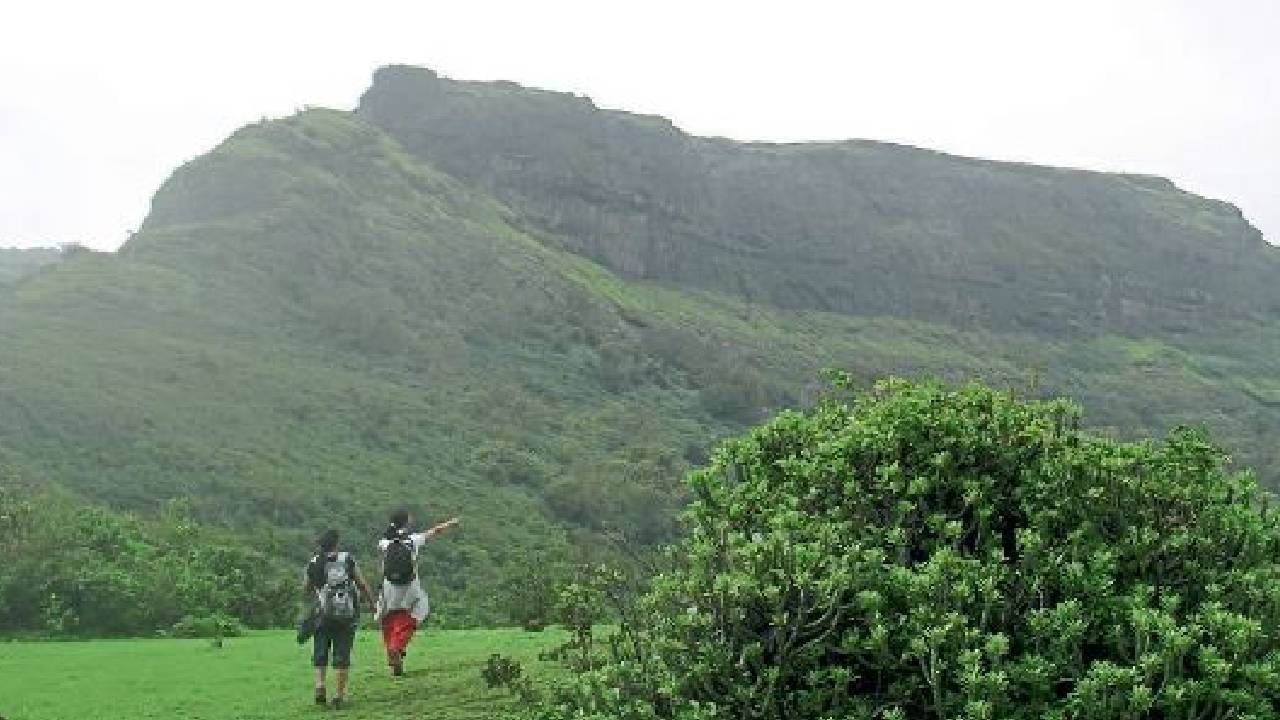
397 630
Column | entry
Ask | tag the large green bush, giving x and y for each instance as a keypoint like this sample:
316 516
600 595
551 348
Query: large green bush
925 552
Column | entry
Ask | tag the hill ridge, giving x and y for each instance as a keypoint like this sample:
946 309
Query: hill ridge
650 201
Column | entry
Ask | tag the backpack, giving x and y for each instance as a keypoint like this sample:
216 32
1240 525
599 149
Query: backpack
337 595
397 562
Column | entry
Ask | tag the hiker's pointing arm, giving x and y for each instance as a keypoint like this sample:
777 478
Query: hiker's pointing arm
446 525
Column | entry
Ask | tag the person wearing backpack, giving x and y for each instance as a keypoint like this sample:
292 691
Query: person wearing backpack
333 579
403 605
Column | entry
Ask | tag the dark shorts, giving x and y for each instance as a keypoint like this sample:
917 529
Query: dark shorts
340 639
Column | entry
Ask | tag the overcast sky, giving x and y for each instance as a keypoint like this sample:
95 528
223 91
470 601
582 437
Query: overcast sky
99 101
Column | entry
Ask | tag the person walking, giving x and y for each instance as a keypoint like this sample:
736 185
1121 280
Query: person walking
403 604
336 583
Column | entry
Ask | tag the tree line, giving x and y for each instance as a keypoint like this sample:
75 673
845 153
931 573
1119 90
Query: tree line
74 569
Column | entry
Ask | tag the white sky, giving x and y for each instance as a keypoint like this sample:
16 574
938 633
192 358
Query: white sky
99 101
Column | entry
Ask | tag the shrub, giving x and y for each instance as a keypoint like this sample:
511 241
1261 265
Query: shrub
925 552
501 671
504 672
528 591
735 394
207 626
124 575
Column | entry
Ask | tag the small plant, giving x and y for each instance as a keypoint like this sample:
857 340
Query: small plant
214 627
505 672
582 603
501 671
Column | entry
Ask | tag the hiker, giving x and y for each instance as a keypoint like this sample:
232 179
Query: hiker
403 605
332 578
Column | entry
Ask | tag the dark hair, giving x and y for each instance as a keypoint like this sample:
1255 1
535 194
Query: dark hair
400 518
328 541
399 523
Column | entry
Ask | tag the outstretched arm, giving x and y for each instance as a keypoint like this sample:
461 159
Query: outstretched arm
449 524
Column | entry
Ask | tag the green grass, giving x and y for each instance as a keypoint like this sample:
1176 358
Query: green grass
262 675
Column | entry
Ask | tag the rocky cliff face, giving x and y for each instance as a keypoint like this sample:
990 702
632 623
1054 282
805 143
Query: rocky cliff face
856 227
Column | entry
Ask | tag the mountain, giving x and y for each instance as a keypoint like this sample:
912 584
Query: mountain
507 303
858 228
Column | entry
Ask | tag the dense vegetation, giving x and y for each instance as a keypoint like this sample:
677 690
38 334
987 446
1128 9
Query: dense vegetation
76 569
333 314
921 552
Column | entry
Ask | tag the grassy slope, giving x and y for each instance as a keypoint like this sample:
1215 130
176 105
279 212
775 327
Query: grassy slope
263 675
1128 385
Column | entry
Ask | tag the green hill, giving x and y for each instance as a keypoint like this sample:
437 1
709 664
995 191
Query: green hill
508 304
16 264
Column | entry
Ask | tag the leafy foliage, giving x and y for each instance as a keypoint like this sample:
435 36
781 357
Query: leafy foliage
500 671
77 569
209 626
529 593
920 552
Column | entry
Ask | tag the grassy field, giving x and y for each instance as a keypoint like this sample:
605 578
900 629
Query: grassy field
263 675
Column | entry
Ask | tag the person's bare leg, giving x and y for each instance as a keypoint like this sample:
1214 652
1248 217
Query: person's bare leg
340 683
320 682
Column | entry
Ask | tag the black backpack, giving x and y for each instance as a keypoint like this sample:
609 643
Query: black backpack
397 563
